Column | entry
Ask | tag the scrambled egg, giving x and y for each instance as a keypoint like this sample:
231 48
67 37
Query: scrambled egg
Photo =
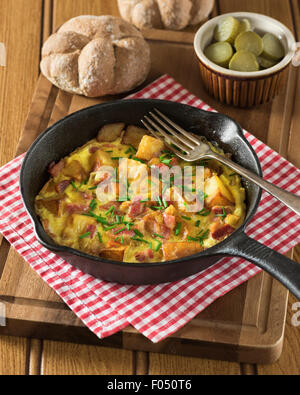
117 197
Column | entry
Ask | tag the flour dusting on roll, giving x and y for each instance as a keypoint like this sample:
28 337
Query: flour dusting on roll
96 56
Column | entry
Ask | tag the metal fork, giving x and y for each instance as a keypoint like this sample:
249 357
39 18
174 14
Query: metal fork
191 148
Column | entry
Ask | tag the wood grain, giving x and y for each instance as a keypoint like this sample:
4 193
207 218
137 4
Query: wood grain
17 84
73 359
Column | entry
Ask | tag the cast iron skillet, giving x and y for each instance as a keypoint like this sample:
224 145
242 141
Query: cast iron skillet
75 130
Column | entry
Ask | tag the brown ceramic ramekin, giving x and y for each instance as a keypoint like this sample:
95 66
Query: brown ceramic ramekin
244 89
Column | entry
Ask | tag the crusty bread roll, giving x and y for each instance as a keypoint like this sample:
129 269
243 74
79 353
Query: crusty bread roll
96 56
168 14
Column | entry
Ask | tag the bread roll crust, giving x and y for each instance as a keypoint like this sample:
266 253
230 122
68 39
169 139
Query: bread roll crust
96 56
168 14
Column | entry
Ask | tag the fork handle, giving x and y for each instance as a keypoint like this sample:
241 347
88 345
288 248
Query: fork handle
290 200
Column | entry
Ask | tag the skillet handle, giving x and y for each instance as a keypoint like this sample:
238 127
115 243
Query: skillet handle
280 267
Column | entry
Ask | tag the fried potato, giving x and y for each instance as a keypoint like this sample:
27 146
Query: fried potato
176 250
218 194
149 148
115 254
110 132
133 135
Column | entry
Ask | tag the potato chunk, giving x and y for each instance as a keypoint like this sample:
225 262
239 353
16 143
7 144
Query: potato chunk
115 254
149 148
218 194
176 250
133 135
110 132
74 170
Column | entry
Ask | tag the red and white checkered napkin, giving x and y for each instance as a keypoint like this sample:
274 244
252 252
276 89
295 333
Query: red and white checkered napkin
159 310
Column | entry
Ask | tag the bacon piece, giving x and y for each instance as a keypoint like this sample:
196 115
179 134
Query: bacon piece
219 230
169 220
73 208
145 255
218 210
136 208
55 169
92 150
61 186
92 229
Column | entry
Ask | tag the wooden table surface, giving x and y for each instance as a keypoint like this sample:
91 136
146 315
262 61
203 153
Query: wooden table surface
24 24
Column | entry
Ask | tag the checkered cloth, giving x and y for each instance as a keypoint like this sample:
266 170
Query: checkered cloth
154 310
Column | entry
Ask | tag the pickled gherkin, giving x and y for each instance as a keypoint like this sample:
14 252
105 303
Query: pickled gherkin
249 41
236 46
227 29
219 53
245 26
244 61
266 63
273 49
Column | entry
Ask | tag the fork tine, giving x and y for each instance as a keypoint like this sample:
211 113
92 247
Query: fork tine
179 136
166 135
178 128
176 151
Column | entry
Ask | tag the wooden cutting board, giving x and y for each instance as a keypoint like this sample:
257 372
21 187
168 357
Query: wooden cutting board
245 325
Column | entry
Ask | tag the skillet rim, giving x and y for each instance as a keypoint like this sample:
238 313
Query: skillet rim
212 251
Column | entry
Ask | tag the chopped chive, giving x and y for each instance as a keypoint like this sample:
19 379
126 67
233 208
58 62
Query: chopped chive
74 186
138 233
90 189
202 195
119 231
197 223
111 210
187 218
159 244
158 199
116 157
156 234
100 237
117 239
150 245
138 160
192 238
178 228
85 235
108 227
108 151
139 239
164 202
223 216
93 204
122 239
203 212
144 201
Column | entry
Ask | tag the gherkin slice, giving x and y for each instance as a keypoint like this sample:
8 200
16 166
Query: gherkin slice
273 49
244 61
245 26
249 41
266 63
219 53
227 29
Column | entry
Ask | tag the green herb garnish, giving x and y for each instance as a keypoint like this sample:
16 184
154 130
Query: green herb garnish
223 216
93 204
138 233
159 244
187 218
178 228
85 235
